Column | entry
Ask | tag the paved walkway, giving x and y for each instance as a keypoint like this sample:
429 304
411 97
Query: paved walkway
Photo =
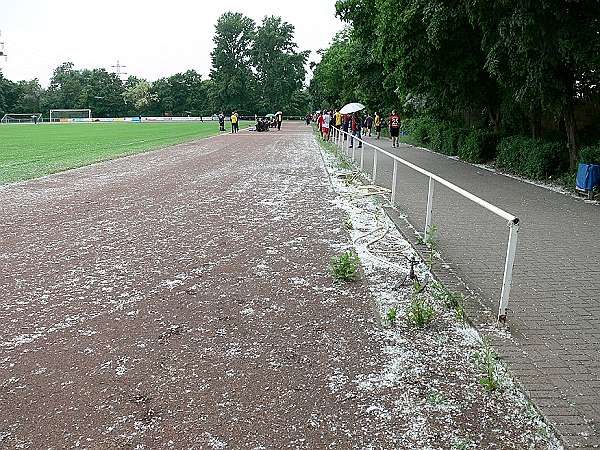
554 312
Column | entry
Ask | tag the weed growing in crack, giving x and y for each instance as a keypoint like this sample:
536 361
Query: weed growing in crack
459 311
418 287
345 266
420 312
343 164
451 300
488 361
435 399
461 444
392 316
432 243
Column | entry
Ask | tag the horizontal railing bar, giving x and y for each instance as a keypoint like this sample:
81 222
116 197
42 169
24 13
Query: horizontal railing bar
481 202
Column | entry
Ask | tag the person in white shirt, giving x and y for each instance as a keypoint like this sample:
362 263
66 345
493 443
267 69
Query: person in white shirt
326 120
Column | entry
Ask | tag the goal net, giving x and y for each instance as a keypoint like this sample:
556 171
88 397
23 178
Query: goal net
70 115
21 118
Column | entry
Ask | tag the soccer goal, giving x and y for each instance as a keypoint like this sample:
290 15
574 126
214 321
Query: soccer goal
70 115
22 118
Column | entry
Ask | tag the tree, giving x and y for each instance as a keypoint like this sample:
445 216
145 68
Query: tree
231 73
332 83
279 66
8 95
138 94
182 94
545 53
102 92
29 95
65 88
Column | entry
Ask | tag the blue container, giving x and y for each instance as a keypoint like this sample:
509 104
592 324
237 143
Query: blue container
588 176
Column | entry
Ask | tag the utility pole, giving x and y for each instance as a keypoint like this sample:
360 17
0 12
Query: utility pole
2 52
119 69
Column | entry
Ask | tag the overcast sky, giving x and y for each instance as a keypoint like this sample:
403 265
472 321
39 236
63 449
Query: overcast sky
153 38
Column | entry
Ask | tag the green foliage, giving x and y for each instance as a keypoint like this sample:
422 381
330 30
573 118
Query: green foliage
590 155
341 77
478 146
420 312
392 316
532 158
461 444
345 266
453 139
138 94
432 242
235 84
451 300
279 66
435 398
439 135
488 361
420 128
255 70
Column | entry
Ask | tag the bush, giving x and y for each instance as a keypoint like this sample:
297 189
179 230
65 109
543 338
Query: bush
437 131
533 158
590 155
547 160
440 136
478 146
420 128
453 139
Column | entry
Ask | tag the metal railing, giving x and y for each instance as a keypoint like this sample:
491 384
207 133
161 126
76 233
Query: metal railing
512 221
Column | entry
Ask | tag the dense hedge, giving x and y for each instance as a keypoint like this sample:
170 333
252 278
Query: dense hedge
590 155
479 146
473 145
533 158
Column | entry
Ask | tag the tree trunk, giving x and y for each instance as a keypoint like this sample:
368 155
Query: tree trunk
494 116
535 120
571 128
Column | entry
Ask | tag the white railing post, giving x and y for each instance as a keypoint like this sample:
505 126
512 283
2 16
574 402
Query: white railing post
374 165
353 148
362 156
511 251
429 208
394 179
347 141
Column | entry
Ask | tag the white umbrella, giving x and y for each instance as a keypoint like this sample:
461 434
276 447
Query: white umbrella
352 107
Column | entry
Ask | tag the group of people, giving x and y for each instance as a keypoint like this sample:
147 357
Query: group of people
269 121
234 119
356 124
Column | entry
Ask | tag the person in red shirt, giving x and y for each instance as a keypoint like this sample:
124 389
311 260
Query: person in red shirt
320 122
394 125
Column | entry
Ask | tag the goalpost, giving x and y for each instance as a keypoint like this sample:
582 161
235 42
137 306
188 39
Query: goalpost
70 115
22 118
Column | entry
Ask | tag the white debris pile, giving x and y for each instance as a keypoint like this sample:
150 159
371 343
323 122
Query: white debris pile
442 379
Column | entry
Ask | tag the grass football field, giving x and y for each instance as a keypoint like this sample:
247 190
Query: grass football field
31 151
